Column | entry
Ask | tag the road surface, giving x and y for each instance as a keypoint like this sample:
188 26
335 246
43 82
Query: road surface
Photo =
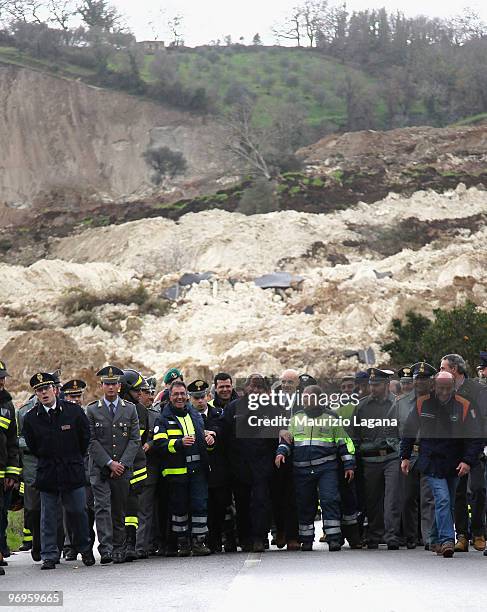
375 581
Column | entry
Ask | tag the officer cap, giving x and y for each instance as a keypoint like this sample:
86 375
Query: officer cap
198 388
74 387
423 370
110 374
3 369
405 373
171 375
361 376
307 380
483 359
377 375
42 379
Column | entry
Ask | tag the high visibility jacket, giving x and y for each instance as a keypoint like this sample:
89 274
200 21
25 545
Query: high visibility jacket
9 450
170 428
317 441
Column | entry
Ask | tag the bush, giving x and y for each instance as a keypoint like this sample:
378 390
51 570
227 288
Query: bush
164 163
259 198
462 330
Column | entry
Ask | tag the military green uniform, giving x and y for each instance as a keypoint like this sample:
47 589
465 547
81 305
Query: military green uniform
113 438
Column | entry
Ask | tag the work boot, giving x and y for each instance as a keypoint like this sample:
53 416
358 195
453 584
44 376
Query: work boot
70 555
200 549
479 543
307 546
106 559
352 534
258 546
334 546
184 549
447 550
25 547
293 545
280 540
130 554
410 545
230 543
462 544
88 558
48 564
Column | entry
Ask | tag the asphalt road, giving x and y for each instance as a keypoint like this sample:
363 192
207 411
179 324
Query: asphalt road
375 581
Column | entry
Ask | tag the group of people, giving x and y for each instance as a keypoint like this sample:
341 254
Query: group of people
206 467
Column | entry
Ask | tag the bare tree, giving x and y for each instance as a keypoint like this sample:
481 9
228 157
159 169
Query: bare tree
175 27
292 28
27 11
61 12
313 13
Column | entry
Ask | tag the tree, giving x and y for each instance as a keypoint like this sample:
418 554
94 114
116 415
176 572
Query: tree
292 28
26 11
61 12
462 330
99 14
165 163
175 26
256 40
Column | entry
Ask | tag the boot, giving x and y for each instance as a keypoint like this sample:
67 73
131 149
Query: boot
184 549
479 543
280 540
462 544
200 549
307 546
352 534
25 546
230 544
293 545
447 550
258 546
334 546
131 533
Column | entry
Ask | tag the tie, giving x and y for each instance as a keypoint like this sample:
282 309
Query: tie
112 410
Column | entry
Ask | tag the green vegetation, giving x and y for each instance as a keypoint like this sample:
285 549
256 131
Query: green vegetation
473 120
462 330
14 530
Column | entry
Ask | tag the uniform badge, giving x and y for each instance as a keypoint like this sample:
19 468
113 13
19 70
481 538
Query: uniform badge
156 429
125 434
97 424
65 427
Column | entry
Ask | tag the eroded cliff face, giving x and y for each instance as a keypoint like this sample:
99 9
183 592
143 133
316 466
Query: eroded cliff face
63 140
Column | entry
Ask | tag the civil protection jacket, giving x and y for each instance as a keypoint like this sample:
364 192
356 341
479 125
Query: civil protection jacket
170 428
9 449
446 436
317 441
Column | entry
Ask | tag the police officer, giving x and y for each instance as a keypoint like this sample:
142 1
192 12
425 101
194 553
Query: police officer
219 493
131 383
148 534
317 446
179 434
57 433
405 376
379 451
9 453
413 485
73 391
114 442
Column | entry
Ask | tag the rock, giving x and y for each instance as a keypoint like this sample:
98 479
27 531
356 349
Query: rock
278 280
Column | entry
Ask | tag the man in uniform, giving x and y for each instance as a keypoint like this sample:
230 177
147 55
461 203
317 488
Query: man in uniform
150 536
482 368
169 377
114 442
474 481
73 391
131 383
316 448
179 434
379 451
9 452
405 380
57 433
413 485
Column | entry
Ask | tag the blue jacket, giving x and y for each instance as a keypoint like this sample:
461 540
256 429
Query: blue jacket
447 435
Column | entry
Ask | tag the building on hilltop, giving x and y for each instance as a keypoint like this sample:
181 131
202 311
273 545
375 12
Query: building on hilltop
151 46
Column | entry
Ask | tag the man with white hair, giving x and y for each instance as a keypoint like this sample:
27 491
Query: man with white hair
444 424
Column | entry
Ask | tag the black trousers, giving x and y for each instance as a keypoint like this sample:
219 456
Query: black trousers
283 496
219 504
471 490
253 507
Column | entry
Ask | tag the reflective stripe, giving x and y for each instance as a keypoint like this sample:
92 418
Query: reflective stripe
179 529
199 529
26 531
187 425
314 461
174 432
331 523
22 488
191 458
27 538
173 471
2 473
198 519
313 442
306 529
350 519
347 457
5 420
142 432
171 444
141 471
332 530
131 521
179 519
4 425
138 479
13 470
160 436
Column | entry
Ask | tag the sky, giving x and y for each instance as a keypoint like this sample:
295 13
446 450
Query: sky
206 20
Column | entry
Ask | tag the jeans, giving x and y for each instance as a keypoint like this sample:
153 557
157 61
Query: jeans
74 503
443 490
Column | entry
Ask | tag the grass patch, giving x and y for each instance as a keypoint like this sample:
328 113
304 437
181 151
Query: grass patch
14 529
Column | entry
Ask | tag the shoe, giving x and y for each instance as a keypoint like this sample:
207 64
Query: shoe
230 544
36 555
3 563
130 554
88 558
485 553
372 546
200 549
5 552
120 558
462 544
2 571
280 540
307 546
426 546
48 564
334 546
258 546
392 547
184 549
479 543
25 547
106 559
410 545
293 545
142 554
247 547
71 555
171 552
447 550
